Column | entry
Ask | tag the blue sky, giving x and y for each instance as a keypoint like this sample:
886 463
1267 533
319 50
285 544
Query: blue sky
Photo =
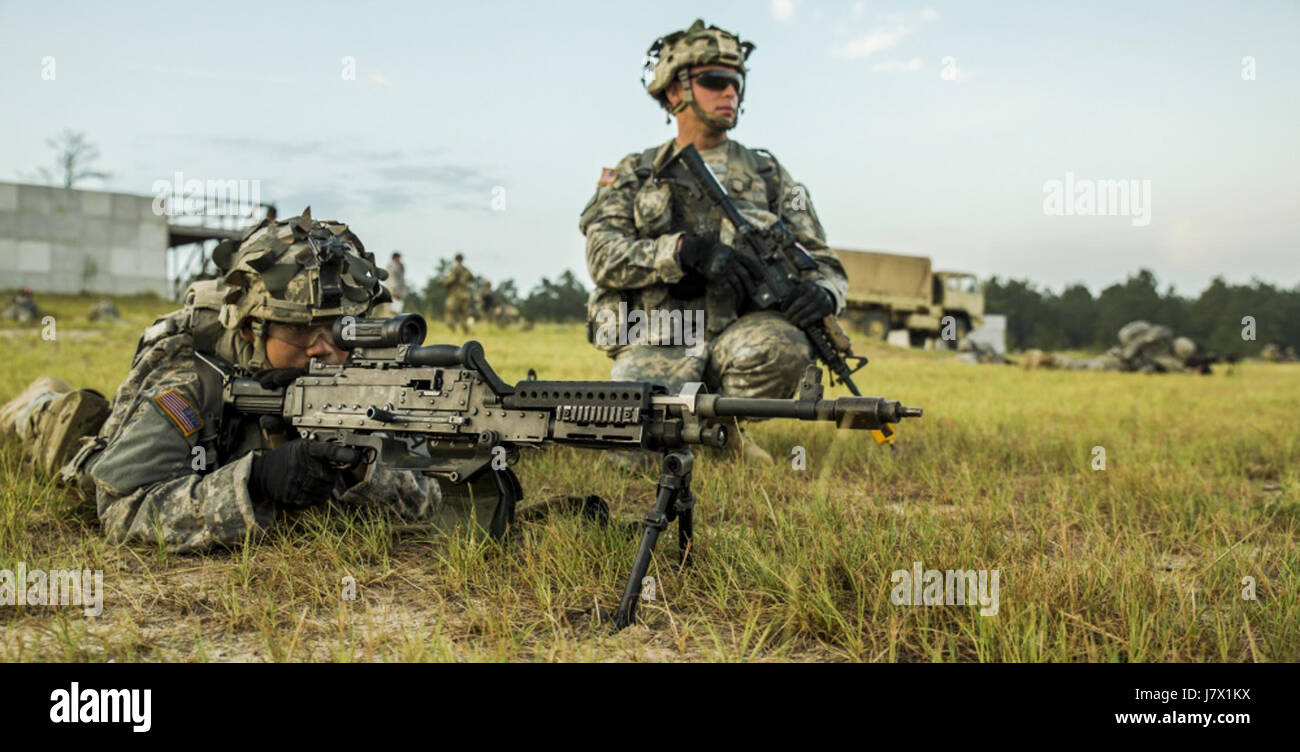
452 100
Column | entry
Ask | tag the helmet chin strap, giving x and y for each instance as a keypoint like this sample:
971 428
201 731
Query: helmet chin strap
257 358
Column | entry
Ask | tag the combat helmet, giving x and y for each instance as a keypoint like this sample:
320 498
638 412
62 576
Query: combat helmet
1184 348
670 59
295 271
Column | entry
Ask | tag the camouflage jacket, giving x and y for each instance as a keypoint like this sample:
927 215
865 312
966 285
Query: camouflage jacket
634 220
397 279
458 280
159 474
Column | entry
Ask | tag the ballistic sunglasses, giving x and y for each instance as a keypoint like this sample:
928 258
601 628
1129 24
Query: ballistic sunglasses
719 80
300 335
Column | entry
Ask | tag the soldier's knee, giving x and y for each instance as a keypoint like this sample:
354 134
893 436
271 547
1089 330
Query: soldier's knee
764 363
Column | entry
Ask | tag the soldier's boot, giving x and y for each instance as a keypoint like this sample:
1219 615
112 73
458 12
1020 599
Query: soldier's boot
60 424
41 390
741 447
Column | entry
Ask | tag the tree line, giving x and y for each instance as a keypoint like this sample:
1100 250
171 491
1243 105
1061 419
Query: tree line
1075 319
564 299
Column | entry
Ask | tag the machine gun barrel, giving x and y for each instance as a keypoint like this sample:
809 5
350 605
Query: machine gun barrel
847 412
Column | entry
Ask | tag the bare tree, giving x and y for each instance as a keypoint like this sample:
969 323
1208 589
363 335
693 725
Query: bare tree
74 157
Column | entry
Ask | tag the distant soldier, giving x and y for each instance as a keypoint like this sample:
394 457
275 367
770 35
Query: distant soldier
977 353
104 310
22 308
397 282
489 305
458 282
1150 348
1143 348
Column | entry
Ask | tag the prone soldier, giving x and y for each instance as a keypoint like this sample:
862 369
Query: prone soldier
168 461
22 308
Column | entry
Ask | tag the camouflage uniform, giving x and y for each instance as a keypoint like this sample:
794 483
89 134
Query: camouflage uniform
104 310
457 282
633 225
22 308
397 283
169 464
1149 348
1143 347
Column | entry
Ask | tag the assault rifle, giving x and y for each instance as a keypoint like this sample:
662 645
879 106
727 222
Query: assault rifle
442 410
783 258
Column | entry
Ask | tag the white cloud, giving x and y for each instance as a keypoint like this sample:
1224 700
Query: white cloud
874 41
900 66
380 79
859 8
880 38
782 10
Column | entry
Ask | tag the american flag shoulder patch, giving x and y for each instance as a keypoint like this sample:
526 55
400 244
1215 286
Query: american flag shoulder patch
607 176
180 411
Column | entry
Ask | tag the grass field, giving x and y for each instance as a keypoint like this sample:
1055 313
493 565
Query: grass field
1141 561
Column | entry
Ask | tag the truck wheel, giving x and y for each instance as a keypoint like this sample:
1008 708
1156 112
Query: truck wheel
875 325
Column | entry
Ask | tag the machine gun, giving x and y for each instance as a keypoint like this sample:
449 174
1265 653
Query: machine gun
783 258
441 410
1201 361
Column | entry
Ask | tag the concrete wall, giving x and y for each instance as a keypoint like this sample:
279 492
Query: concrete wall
994 332
61 240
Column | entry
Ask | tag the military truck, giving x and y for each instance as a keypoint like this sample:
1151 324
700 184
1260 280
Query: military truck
892 291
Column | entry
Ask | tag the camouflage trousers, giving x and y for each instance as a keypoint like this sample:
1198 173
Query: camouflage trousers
760 354
51 418
456 312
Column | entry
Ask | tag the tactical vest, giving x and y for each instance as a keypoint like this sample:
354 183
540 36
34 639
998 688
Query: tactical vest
686 195
662 205
199 317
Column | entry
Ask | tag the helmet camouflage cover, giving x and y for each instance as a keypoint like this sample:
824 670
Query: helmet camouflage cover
296 271
671 57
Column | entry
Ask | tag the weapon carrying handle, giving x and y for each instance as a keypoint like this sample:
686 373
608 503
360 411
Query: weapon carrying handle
469 355
439 356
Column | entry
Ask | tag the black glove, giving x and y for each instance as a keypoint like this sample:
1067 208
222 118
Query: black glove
300 473
808 304
278 378
720 264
